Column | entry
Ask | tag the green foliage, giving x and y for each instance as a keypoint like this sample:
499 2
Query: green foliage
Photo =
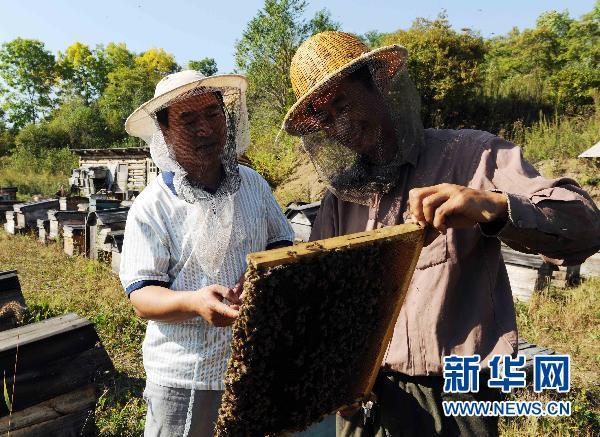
82 72
265 50
127 89
6 396
445 65
7 137
28 72
82 124
558 61
37 171
372 38
36 137
206 66
565 320
130 86
272 157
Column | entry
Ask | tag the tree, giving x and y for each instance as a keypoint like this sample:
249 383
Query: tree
557 62
82 72
206 66
28 72
265 50
372 38
445 65
81 124
7 138
157 62
130 86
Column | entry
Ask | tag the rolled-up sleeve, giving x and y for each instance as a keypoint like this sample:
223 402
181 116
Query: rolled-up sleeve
145 256
553 217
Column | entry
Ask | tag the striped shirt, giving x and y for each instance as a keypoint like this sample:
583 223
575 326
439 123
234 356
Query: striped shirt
157 250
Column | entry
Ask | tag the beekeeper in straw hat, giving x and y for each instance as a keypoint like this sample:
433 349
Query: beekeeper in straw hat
357 113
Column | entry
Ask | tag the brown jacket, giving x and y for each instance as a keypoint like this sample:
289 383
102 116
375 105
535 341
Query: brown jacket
459 300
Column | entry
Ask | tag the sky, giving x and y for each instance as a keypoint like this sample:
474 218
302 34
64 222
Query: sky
193 30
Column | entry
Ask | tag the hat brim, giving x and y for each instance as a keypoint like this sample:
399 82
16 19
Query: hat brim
387 61
141 124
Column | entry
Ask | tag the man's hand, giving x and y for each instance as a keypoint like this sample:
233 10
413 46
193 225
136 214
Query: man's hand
453 206
208 303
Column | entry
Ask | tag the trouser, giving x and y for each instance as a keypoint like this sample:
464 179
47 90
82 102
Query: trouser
412 406
168 411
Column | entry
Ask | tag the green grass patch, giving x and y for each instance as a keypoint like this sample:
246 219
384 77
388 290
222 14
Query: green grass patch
568 321
55 284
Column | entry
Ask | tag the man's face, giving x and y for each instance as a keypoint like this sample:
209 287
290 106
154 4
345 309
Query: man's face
197 131
350 113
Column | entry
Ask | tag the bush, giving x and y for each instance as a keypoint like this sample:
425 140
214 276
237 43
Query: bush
43 173
273 153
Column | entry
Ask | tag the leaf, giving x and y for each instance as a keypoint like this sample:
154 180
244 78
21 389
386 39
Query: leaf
6 396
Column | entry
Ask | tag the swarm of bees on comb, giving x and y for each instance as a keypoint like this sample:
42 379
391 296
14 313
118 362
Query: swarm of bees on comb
303 335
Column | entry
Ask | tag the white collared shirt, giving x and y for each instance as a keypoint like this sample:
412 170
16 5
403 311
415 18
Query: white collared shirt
193 353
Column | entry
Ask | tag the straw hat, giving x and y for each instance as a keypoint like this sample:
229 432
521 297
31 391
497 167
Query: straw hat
141 123
329 56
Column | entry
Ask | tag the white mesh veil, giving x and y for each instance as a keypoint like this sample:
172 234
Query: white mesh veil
354 160
211 217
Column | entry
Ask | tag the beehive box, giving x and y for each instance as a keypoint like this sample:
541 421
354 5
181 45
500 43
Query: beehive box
314 327
74 239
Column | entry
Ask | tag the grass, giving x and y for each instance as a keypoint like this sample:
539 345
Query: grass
568 321
36 176
557 138
53 284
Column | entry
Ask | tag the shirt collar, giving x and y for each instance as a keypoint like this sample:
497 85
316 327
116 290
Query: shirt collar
167 177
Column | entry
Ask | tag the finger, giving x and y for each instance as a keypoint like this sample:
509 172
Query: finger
416 196
225 311
443 215
232 296
410 218
430 204
221 291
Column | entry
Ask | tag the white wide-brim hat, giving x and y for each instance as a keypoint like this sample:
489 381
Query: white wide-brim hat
141 122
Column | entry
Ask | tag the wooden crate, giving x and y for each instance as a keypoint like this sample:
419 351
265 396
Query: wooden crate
58 219
53 357
12 302
99 224
70 203
8 193
70 414
74 239
5 206
28 213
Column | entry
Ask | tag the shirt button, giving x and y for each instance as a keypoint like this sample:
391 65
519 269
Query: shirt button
520 223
